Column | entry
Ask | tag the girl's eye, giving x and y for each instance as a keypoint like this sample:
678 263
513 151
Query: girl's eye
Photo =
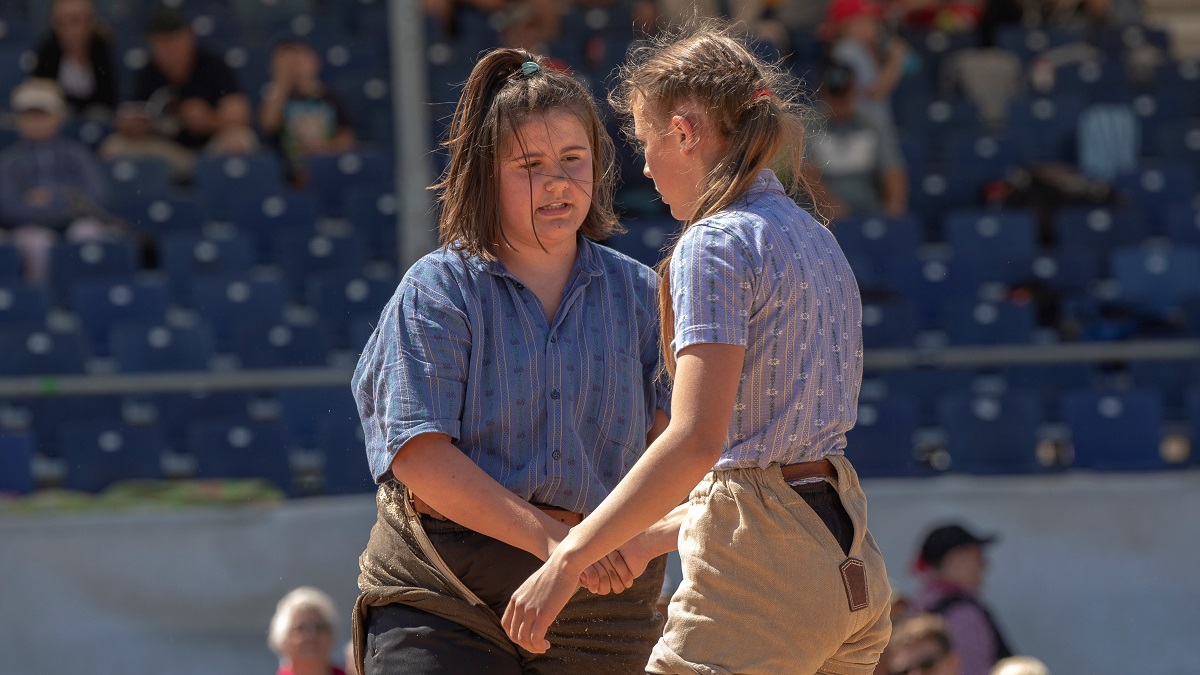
571 158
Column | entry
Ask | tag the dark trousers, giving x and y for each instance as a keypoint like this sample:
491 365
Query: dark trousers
823 499
598 635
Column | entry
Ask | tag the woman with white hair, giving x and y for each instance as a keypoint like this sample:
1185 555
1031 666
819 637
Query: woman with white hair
302 633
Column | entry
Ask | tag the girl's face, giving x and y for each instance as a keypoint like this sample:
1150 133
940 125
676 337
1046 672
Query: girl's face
677 172
546 182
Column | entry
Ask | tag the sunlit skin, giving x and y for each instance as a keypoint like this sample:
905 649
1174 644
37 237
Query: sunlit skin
676 159
545 174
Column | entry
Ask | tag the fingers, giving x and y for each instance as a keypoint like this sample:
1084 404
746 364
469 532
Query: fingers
524 627
622 569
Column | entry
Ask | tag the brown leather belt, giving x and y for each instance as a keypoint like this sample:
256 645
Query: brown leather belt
568 518
822 468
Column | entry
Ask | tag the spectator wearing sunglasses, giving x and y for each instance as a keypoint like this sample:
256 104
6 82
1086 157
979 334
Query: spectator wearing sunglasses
920 645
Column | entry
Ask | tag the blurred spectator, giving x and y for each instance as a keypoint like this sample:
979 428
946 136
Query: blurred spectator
185 100
920 645
1091 14
855 30
533 25
299 114
951 16
854 164
953 564
899 609
302 633
1020 665
78 54
348 655
49 186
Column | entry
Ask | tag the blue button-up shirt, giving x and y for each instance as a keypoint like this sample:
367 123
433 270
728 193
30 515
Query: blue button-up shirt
764 275
556 412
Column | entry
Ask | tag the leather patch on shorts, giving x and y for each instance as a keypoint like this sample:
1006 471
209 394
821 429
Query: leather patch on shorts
854 576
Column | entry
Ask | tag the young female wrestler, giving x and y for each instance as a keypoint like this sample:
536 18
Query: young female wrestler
509 386
761 331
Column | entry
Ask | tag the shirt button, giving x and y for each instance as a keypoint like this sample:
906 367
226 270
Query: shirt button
556 454
520 287
553 340
554 394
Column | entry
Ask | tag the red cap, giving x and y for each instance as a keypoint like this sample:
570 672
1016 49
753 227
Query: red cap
841 11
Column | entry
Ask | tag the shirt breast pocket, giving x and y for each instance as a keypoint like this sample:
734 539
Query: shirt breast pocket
618 410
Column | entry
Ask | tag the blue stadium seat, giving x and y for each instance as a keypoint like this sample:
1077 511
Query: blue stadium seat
1191 315
138 181
240 449
1115 41
922 386
971 322
16 61
1000 244
264 217
222 180
1028 43
939 191
89 132
1154 110
106 303
10 264
154 347
1177 141
934 118
363 325
881 240
1157 277
72 263
343 56
890 324
1098 81
16 457
190 256
303 255
1046 125
303 407
48 413
174 412
1064 270
251 63
167 216
364 94
281 345
35 351
881 443
918 156
991 434
22 305
98 455
340 441
930 284
330 175
1171 379
1097 230
1182 224
339 298
373 212
990 156
226 301
1153 188
644 239
1115 431
1049 382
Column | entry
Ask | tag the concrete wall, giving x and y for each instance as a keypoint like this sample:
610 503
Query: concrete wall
1095 574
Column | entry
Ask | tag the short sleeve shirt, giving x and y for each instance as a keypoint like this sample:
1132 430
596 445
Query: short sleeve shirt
764 275
555 412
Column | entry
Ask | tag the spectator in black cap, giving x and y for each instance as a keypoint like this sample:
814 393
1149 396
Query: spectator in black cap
952 563
854 164
185 100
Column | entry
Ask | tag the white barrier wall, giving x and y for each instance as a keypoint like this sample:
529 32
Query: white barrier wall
1094 574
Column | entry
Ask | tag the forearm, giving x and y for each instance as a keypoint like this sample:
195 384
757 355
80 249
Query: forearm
450 483
894 184
663 537
889 77
661 479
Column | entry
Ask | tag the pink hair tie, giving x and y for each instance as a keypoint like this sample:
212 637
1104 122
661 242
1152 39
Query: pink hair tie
761 93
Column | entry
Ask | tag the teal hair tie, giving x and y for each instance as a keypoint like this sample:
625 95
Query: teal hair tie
529 67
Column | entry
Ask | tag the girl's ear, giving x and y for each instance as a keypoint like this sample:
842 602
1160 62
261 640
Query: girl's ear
683 129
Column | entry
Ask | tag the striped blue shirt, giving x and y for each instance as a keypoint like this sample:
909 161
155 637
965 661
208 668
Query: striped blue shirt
764 275
556 412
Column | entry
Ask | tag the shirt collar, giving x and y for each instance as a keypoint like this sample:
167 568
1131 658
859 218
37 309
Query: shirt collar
587 262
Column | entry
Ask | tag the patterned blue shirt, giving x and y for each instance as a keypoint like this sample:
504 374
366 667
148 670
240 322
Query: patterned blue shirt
557 413
764 275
